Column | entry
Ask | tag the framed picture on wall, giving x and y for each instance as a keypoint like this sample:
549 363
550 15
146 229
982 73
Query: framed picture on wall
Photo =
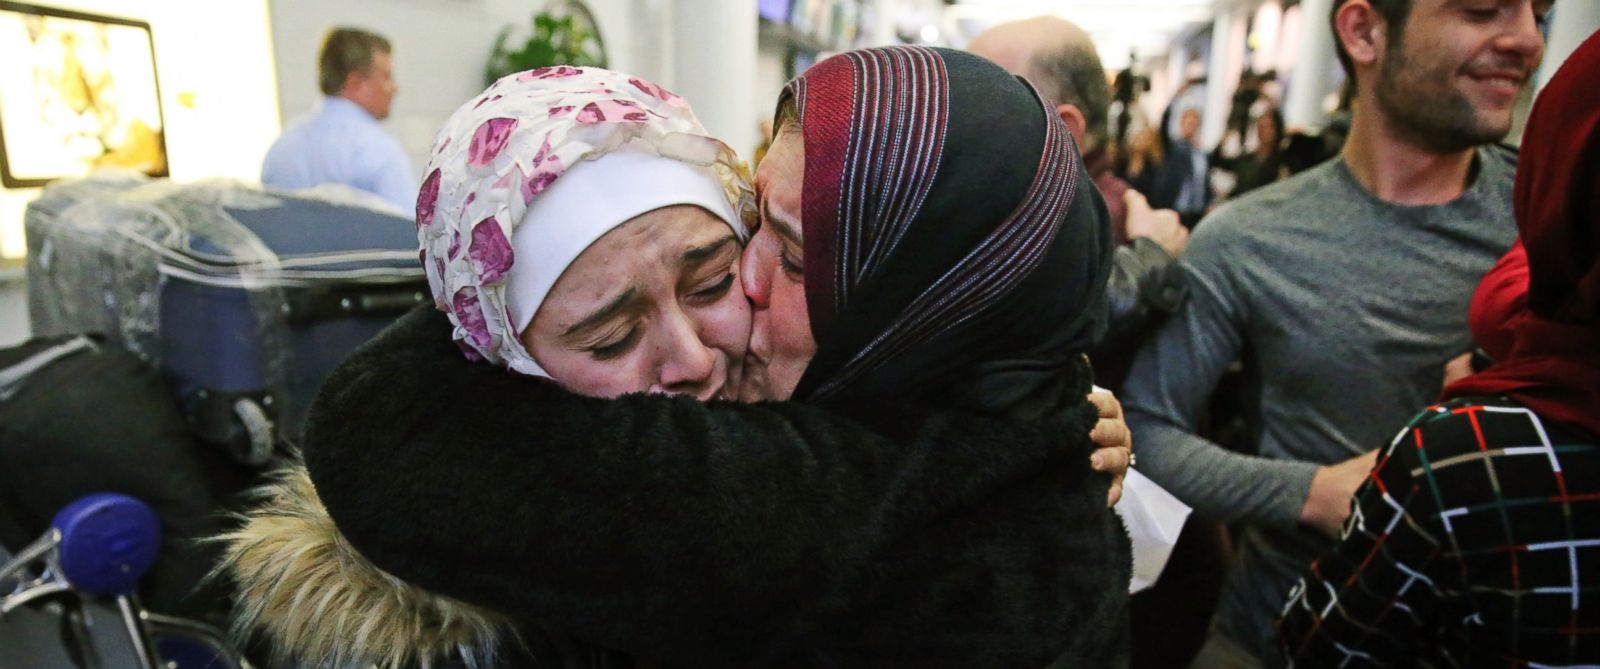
77 92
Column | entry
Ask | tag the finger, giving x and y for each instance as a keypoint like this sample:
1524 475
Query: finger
1115 495
1106 404
1111 433
1114 461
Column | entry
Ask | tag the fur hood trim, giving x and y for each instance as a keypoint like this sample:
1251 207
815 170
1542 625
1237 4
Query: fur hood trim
321 604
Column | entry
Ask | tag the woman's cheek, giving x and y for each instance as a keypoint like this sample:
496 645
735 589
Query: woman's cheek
728 324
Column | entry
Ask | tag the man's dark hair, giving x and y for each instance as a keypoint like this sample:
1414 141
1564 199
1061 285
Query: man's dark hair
346 51
1394 13
1073 75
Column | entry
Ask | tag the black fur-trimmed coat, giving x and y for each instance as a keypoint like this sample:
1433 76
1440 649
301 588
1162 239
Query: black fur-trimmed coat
687 534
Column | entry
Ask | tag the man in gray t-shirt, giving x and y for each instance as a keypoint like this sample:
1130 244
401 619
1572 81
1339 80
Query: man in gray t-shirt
1344 291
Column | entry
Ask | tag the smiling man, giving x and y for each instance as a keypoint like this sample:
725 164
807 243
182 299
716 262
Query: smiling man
1344 290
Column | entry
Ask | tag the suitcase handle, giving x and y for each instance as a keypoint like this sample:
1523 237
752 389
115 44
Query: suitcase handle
306 306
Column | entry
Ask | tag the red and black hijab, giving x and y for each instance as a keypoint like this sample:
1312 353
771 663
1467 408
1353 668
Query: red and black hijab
956 251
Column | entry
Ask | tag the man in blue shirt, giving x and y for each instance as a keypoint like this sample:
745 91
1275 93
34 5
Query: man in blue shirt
341 141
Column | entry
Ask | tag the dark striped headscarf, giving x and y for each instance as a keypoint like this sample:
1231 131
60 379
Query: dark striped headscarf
955 250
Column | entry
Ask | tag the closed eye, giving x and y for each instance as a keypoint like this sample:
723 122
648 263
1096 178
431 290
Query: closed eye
790 264
614 349
715 291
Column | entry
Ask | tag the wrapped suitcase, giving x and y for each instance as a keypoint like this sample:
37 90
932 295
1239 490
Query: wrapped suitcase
245 299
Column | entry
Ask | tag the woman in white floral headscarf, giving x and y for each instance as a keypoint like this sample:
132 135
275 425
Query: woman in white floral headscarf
577 225
524 212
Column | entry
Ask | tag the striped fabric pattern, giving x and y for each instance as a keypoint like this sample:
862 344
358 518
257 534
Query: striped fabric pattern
890 162
1468 546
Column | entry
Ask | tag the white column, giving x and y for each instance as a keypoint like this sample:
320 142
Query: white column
714 68
1267 29
1303 104
883 23
1573 21
1222 73
649 50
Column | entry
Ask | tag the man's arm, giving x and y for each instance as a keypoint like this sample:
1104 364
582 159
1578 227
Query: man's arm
275 172
387 172
1170 386
1146 284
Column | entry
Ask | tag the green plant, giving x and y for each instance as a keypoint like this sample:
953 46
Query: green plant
555 40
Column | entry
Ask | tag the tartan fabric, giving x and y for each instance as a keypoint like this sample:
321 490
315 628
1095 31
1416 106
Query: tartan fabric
1476 542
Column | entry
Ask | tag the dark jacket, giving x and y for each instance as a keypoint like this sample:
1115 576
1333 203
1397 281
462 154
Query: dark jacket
1145 287
1251 171
774 534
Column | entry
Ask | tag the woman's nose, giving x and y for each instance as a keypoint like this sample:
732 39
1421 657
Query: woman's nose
687 363
754 276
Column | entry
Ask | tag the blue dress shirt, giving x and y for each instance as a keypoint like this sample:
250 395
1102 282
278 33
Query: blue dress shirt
340 142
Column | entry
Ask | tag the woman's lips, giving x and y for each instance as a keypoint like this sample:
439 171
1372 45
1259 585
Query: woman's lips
754 376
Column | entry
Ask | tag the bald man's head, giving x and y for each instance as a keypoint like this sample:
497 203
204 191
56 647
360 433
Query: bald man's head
1060 60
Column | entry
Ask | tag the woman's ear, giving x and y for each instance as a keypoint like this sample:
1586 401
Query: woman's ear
1362 31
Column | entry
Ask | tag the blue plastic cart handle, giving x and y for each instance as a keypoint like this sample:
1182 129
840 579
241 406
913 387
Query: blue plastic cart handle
108 542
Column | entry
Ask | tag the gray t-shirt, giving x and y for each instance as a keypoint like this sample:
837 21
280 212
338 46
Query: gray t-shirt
1344 309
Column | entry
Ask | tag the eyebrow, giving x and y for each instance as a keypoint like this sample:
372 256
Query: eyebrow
784 227
698 254
602 314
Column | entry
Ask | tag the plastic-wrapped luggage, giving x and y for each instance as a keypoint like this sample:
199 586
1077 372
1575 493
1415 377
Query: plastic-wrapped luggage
245 299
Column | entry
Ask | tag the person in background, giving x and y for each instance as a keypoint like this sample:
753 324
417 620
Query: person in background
340 141
1343 289
1146 155
1176 178
1469 539
1186 159
1060 60
1146 287
1262 165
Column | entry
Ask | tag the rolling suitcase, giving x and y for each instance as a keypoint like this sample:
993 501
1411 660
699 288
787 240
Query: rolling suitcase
245 299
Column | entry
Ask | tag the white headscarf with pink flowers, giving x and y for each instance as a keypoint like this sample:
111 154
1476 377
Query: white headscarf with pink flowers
503 148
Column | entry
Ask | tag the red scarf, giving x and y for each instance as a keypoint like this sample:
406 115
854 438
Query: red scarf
1553 366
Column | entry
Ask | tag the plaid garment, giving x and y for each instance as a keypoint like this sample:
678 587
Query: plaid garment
1476 542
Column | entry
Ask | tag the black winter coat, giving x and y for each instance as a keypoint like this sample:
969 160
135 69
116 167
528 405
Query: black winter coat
724 534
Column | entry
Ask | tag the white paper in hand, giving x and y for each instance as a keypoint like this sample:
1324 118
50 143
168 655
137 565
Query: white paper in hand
1153 518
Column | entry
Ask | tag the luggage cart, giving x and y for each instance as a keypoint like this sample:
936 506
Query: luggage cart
67 600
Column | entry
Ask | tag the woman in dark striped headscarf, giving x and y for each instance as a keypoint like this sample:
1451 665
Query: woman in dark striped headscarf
949 249
927 501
